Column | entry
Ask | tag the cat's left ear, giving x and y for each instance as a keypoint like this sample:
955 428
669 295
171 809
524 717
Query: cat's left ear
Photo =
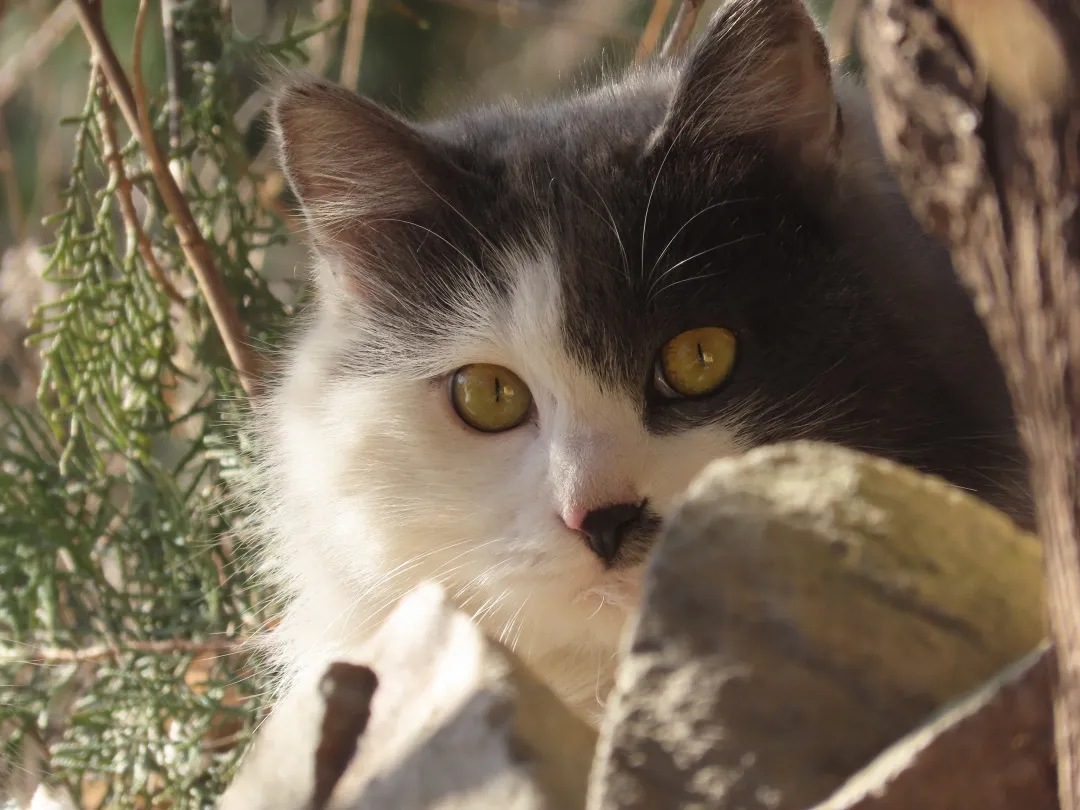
761 69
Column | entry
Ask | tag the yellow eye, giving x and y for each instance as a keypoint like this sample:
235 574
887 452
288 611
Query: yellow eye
489 398
696 362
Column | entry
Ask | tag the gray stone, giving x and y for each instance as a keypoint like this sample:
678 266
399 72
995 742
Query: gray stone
456 722
993 750
808 606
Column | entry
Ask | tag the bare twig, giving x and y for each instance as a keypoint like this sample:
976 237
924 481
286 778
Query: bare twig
537 14
269 190
322 46
682 28
524 12
651 36
136 236
222 309
36 50
172 84
269 193
172 71
22 289
841 29
12 195
354 44
1036 72
347 690
103 652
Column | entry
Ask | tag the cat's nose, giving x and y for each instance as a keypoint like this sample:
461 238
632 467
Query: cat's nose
605 528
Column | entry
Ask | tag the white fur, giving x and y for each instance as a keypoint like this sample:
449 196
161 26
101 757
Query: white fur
370 487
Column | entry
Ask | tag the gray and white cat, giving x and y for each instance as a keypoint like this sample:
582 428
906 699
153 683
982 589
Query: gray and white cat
535 325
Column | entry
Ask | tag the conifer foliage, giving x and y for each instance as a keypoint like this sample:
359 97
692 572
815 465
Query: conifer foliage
123 604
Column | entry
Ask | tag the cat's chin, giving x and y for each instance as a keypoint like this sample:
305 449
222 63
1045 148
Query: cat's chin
615 590
579 658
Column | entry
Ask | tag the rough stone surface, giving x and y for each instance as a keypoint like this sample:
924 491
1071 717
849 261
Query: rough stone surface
456 722
807 608
992 751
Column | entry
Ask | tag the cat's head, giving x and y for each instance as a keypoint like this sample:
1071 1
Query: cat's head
534 326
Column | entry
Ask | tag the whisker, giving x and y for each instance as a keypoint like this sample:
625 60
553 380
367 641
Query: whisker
683 227
650 296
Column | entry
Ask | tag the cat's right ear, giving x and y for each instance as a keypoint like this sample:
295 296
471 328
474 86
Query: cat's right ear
359 172
759 70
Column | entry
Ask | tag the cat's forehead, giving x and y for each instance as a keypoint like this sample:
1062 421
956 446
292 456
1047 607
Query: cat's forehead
570 210
597 129
643 242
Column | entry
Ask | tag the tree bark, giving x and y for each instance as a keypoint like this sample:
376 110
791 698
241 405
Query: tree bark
999 185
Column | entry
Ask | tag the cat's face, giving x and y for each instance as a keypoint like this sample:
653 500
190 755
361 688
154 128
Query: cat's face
498 516
526 317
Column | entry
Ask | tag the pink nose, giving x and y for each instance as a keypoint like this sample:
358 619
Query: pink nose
574 518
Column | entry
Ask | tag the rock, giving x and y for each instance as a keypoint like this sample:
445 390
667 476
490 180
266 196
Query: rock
991 751
807 607
456 722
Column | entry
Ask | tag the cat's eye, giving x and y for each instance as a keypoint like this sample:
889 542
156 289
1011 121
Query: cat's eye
695 363
489 398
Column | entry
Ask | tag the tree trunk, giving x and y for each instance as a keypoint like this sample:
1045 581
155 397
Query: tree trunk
979 115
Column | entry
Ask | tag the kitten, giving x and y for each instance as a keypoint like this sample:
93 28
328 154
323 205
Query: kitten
534 326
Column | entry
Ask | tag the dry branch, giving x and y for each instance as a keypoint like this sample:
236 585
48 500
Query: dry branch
12 194
682 28
347 690
354 44
36 50
541 14
651 35
841 29
1014 45
222 309
121 184
1001 186
172 71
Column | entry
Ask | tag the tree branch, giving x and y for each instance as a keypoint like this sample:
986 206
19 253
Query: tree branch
118 179
347 690
989 165
651 35
222 309
1015 47
354 44
541 14
12 194
682 28
173 62
36 49
841 29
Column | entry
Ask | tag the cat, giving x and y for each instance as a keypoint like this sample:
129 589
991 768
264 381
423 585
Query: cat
533 326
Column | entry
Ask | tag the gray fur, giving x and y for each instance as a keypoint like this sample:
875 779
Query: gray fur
668 215
569 241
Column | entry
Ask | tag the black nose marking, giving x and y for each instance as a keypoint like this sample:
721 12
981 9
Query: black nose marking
606 527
